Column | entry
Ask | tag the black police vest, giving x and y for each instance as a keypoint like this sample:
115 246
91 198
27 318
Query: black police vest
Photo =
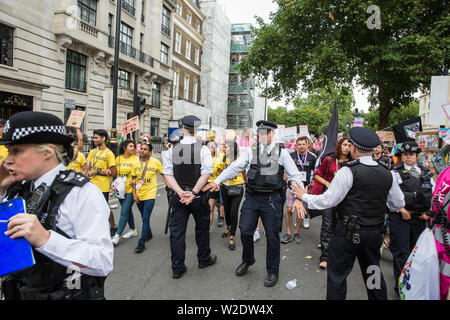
187 163
265 177
417 191
46 276
309 165
368 195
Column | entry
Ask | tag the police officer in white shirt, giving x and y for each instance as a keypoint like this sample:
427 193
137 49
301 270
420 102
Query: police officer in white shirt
361 190
187 168
69 231
265 190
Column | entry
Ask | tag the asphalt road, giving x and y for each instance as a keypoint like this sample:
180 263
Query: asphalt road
148 275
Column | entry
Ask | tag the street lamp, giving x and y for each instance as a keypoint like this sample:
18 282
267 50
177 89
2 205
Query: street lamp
113 141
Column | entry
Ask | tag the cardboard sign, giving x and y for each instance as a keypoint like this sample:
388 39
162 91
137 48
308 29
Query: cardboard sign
303 131
290 133
427 140
130 125
75 118
386 136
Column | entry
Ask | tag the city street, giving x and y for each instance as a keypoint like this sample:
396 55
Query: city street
148 275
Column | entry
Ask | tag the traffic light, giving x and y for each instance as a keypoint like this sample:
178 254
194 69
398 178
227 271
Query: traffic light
139 106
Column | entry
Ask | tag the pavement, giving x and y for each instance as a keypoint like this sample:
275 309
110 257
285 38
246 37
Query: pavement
148 275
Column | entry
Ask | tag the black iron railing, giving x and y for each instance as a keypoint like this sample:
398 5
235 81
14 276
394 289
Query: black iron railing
131 52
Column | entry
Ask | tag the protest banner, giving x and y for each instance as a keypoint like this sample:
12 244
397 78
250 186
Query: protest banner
75 118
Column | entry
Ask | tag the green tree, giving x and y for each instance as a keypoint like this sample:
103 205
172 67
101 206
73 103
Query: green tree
311 44
401 114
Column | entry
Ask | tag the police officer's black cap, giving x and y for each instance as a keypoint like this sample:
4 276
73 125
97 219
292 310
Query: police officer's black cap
408 146
266 125
363 138
2 122
35 127
190 122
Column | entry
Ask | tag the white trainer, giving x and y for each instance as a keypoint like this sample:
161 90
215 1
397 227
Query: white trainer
129 234
115 240
256 236
306 222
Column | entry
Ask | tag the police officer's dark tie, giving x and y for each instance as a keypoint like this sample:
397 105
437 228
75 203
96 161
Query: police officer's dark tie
413 172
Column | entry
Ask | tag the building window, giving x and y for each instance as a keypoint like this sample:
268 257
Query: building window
176 81
141 42
165 25
128 6
88 11
197 27
154 127
197 56
110 21
177 42
186 88
188 18
75 71
179 8
156 95
143 10
194 91
6 45
164 54
123 77
126 39
188 50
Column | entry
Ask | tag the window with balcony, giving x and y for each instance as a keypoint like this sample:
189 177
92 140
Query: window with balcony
177 42
75 71
194 91
126 39
88 11
188 18
128 6
164 54
176 81
123 78
165 25
156 95
187 54
6 45
186 88
197 56
154 127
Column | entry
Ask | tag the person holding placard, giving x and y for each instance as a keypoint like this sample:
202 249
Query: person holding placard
144 187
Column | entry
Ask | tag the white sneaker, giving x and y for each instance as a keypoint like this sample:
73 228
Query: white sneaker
256 236
306 222
114 206
129 234
115 239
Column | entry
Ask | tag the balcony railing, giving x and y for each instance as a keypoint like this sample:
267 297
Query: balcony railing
165 30
131 52
237 111
239 47
83 26
128 8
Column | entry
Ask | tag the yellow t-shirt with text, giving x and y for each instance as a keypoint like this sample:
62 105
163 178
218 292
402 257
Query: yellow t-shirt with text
217 167
3 153
239 179
101 160
124 169
79 162
149 186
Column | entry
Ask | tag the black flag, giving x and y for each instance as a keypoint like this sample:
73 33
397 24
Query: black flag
405 130
330 139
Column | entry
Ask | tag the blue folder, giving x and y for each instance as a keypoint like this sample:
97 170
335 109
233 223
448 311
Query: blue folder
15 254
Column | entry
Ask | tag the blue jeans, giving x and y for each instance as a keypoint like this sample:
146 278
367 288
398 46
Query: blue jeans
146 208
126 214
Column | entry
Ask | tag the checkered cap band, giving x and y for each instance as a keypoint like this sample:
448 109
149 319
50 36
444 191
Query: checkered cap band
360 146
23 132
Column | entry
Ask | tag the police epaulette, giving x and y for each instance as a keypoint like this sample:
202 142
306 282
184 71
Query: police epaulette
350 163
384 165
398 167
72 177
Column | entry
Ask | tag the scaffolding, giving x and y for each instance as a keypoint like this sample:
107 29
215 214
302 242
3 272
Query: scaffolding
240 92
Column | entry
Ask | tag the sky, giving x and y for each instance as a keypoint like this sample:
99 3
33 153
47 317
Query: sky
243 11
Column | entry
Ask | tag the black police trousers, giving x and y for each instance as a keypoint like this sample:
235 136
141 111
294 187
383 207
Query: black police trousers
269 208
403 238
199 208
341 257
326 230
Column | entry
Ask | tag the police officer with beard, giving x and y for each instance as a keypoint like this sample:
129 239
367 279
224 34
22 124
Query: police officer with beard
361 190
187 167
407 224
67 216
264 197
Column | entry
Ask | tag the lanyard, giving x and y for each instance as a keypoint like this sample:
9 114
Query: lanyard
304 161
96 160
145 169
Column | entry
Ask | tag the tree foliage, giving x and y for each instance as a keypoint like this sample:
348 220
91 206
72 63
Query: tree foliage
310 44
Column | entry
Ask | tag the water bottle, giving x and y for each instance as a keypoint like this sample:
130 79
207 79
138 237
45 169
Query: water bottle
291 284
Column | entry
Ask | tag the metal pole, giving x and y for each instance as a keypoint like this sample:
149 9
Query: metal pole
265 106
113 144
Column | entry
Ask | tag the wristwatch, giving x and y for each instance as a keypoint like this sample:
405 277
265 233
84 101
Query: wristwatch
297 198
194 193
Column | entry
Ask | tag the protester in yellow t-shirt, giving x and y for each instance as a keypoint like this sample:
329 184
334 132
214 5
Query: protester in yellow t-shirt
214 197
79 164
125 163
144 189
231 202
102 166
3 149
